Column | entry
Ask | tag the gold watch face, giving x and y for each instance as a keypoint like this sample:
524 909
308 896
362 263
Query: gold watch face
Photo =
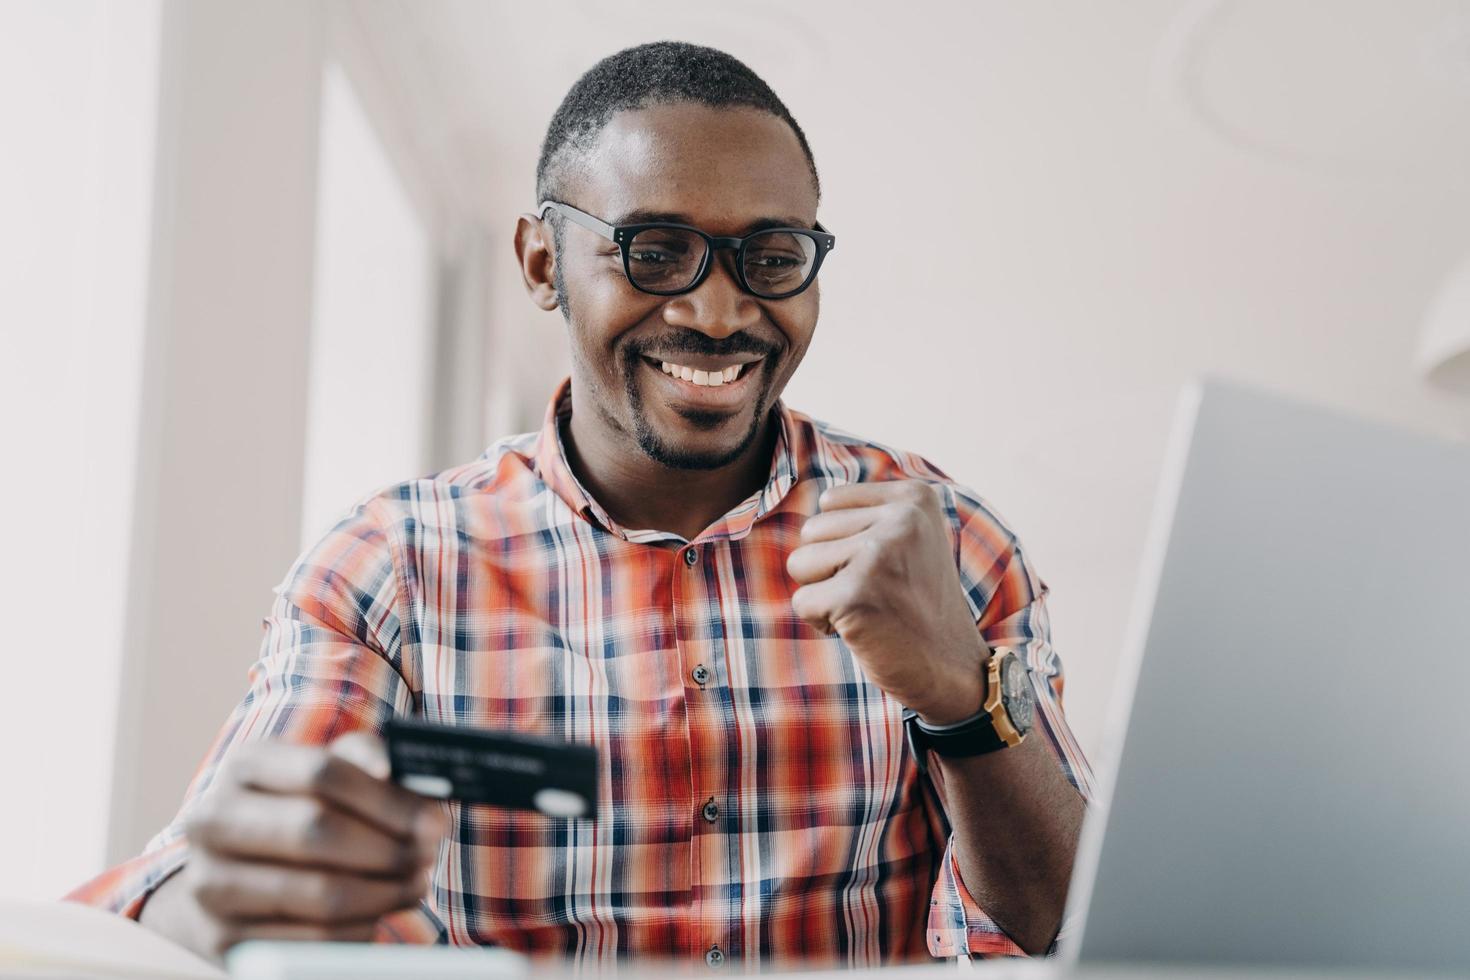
1015 693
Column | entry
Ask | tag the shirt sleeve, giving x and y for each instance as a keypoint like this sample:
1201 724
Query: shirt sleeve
1008 601
331 662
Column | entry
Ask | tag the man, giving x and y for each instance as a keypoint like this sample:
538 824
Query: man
733 602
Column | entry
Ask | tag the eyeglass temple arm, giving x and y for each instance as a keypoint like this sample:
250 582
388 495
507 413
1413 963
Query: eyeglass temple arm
580 217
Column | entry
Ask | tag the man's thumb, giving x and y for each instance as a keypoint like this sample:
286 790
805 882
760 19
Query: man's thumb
365 751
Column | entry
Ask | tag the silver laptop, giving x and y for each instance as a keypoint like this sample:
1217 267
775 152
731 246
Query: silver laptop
1287 767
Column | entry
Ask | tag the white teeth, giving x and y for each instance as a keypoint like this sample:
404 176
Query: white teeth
707 379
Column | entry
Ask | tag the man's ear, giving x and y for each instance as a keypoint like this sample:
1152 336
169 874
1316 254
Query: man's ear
536 252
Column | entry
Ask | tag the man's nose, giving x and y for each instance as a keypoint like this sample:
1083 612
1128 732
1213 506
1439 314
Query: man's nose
719 307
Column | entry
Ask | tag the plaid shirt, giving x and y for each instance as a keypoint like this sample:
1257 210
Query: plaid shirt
756 790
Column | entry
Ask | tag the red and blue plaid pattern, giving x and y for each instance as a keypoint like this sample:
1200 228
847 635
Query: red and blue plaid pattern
764 803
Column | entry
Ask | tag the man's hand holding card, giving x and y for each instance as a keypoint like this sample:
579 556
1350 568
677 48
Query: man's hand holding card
320 842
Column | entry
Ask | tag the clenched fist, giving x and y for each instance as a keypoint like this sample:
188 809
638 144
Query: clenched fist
298 842
877 567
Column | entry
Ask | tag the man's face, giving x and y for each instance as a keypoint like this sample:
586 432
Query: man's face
726 172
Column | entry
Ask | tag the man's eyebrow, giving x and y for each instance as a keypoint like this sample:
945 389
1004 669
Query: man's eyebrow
646 217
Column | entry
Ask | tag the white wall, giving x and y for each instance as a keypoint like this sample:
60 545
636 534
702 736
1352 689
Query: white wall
159 180
218 510
369 403
78 89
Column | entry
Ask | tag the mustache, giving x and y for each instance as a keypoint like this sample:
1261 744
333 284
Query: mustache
694 342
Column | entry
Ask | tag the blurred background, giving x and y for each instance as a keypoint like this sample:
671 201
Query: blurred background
255 261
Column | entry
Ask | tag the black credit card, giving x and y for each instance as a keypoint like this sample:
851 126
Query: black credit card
523 772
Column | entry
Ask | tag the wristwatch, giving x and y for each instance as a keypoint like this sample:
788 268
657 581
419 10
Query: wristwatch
1004 718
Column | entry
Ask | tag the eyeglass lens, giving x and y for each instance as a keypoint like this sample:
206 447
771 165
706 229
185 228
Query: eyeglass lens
669 259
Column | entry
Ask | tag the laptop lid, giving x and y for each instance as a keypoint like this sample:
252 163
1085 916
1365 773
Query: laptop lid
1288 780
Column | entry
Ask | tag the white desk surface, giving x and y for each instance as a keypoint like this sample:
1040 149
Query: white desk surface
51 939
368 963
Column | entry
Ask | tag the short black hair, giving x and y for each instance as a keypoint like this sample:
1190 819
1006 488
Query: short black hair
660 73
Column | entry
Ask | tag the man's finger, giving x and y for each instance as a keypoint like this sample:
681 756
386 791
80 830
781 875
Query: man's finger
873 494
819 603
366 752
300 769
834 524
246 890
822 559
303 830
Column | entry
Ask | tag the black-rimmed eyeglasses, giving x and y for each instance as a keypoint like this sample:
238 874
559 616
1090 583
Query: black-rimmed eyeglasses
667 259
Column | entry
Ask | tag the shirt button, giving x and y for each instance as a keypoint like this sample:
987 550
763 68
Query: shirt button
711 811
700 673
715 958
690 557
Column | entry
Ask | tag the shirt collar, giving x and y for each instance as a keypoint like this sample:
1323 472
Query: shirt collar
552 467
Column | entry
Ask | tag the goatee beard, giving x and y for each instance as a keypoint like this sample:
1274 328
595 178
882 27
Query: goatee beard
660 451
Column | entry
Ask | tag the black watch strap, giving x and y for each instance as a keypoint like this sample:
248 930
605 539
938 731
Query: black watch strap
973 736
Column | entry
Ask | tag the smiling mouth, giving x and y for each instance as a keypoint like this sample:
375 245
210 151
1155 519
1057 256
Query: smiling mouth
700 377
715 383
